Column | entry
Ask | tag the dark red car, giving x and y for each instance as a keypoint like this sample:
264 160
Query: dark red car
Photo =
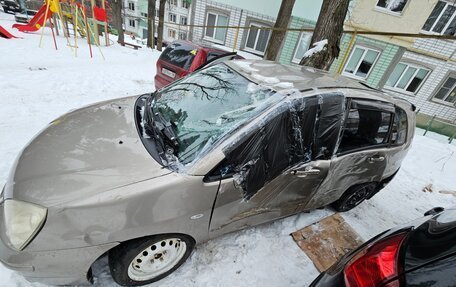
183 57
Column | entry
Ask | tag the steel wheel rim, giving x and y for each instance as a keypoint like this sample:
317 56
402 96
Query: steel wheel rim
157 259
356 198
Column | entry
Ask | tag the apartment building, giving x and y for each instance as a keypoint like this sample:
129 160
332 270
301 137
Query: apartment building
177 15
423 71
255 14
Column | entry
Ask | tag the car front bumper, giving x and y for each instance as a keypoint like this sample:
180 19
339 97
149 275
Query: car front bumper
55 267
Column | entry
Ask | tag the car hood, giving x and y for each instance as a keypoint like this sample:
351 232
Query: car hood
84 152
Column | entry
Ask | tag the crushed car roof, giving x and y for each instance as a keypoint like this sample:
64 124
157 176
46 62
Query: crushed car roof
282 77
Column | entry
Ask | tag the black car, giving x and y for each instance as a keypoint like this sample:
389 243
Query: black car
10 6
419 254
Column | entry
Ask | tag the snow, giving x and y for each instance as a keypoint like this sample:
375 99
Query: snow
265 80
317 47
39 84
284 85
245 66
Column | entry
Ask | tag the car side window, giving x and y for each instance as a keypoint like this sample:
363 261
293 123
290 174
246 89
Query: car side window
302 130
364 128
399 129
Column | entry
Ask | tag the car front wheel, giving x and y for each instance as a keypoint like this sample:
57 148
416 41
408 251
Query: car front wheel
146 260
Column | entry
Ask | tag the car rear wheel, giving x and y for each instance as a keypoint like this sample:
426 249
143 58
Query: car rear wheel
353 197
146 260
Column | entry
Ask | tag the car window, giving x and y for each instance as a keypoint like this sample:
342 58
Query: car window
209 104
179 54
302 130
364 128
262 156
399 129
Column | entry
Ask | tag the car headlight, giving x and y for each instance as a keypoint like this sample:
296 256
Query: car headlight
23 220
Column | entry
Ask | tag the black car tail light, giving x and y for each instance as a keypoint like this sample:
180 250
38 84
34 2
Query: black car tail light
375 264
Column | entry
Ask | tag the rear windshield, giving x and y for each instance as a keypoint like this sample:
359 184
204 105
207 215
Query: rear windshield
179 54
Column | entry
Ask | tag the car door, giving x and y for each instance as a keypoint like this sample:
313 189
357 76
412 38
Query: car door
275 170
362 152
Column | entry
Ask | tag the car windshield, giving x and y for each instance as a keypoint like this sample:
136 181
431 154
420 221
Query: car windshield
206 105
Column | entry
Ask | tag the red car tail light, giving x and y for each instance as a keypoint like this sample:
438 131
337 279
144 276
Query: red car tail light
375 264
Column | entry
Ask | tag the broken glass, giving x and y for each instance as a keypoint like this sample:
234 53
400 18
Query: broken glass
297 131
206 105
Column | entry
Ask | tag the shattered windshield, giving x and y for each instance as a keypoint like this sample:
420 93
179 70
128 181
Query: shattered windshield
204 106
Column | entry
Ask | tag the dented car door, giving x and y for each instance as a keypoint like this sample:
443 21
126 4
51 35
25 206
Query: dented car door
278 167
361 157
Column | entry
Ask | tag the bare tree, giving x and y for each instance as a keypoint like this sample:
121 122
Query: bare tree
161 19
116 6
279 32
330 25
151 23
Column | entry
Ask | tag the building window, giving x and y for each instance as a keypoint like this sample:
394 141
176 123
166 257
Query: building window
183 20
132 23
406 77
258 38
186 4
442 19
215 33
301 47
144 14
361 62
447 92
171 33
131 6
156 12
172 17
183 35
396 6
173 2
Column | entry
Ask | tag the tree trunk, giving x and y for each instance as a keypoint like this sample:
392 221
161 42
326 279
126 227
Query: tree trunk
330 25
278 36
151 23
116 6
161 19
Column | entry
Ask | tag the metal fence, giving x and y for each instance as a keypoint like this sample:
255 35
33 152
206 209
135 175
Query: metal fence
433 124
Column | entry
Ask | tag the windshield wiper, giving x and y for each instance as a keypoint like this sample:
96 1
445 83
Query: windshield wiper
159 127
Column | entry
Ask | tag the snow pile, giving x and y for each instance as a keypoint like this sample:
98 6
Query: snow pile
284 85
265 80
262 256
245 66
317 47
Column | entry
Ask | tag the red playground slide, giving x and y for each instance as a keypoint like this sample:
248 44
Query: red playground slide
36 22
6 34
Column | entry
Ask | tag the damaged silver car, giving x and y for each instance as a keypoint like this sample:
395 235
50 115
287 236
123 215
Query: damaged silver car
236 144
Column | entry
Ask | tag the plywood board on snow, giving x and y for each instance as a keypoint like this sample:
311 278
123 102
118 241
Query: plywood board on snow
327 240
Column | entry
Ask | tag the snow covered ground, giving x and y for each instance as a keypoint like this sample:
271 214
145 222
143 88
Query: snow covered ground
39 84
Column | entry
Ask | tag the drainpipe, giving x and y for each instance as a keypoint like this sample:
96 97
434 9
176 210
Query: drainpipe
347 52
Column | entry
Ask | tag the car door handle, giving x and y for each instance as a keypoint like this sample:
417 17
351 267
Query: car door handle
304 173
375 159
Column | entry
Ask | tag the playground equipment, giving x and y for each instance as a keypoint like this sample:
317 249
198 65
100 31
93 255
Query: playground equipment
73 14
37 21
6 34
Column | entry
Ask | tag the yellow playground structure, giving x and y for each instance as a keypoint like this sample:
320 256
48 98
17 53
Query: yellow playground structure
84 20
